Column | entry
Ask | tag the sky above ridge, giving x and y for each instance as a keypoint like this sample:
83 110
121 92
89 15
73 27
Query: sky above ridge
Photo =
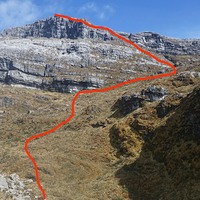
173 18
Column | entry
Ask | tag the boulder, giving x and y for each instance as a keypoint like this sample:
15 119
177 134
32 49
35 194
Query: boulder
154 93
127 104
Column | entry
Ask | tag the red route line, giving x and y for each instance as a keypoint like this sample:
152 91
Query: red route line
93 90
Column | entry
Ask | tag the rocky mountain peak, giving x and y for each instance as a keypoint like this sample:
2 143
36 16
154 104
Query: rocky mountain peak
62 55
55 27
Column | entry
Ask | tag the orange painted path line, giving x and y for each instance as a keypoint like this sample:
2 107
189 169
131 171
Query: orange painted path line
39 135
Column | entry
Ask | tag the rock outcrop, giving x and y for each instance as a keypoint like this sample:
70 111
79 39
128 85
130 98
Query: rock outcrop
55 27
128 103
154 93
67 65
61 55
14 187
165 45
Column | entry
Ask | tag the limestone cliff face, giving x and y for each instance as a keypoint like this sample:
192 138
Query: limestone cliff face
60 55
55 27
165 45
65 65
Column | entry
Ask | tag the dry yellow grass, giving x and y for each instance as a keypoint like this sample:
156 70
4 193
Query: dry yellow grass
77 161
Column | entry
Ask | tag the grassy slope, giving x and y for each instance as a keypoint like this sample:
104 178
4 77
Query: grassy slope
77 161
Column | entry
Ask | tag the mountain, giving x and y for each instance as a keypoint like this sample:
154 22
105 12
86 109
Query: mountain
140 141
60 55
55 27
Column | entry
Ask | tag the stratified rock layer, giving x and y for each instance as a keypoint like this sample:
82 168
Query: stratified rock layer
61 55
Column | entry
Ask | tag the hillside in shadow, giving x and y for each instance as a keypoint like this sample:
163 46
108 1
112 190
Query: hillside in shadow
168 165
